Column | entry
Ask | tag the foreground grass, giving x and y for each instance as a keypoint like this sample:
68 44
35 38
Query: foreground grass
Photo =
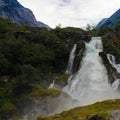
100 108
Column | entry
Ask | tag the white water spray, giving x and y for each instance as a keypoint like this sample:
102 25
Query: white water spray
112 60
116 85
52 85
90 83
69 69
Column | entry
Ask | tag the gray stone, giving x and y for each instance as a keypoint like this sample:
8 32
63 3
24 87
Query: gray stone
115 115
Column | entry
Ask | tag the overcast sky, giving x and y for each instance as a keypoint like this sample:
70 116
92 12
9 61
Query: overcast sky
75 13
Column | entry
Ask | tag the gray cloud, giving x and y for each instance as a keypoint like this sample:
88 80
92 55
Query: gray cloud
75 13
64 3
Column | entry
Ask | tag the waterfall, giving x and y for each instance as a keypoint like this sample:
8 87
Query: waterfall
90 83
52 85
69 69
116 83
112 60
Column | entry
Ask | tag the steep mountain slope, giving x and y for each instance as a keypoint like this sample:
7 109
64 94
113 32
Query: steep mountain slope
17 13
110 21
102 22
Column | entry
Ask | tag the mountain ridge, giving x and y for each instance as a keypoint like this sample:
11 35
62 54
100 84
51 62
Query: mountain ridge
109 21
18 14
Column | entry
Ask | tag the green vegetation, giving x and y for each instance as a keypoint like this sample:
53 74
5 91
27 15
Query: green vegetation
111 39
61 80
31 56
27 56
102 109
111 44
38 91
72 34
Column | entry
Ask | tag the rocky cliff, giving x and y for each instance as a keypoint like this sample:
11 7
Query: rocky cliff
109 21
18 14
101 23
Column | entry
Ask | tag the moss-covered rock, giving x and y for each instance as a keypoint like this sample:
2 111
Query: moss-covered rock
61 80
38 91
45 102
102 109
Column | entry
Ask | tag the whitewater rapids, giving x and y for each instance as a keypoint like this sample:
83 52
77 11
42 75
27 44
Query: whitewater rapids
90 84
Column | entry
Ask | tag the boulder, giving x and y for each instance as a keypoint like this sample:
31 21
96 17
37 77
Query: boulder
95 117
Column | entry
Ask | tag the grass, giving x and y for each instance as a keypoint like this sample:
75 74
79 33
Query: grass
38 91
100 108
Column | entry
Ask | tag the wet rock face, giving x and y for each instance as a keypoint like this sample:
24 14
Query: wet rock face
79 55
110 70
118 59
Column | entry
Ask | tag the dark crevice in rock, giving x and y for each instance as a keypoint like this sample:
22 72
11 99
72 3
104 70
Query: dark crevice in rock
79 55
111 71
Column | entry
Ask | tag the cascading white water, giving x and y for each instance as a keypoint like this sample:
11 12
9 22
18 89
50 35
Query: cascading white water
69 69
116 83
90 83
52 85
112 60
